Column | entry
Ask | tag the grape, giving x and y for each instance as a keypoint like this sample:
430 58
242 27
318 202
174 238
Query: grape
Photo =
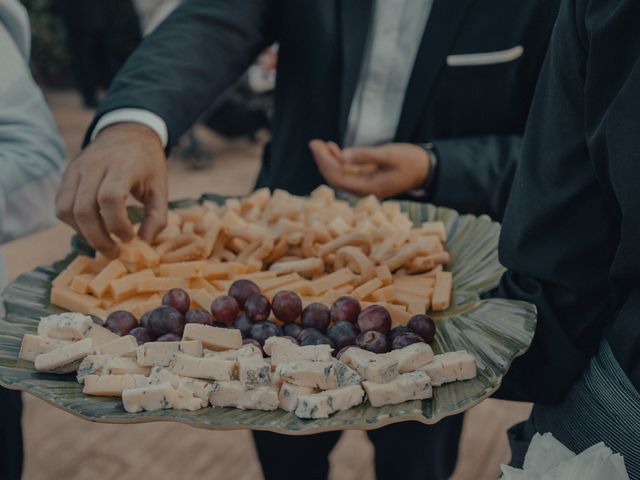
142 335
317 338
306 332
375 317
294 340
97 320
168 337
251 341
292 329
225 309
244 324
198 315
343 334
286 306
404 339
178 299
144 319
121 322
220 325
424 326
243 289
373 341
345 309
165 320
399 330
316 315
263 330
257 308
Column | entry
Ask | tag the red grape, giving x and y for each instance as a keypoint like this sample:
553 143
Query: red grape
373 341
144 319
263 330
343 334
345 309
178 299
142 335
375 317
257 307
97 320
244 324
306 332
317 338
198 315
225 309
424 326
243 289
165 320
287 306
292 329
121 322
404 339
399 330
168 337
316 315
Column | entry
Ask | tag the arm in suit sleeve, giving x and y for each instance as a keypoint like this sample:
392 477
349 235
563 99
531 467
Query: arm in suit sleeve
474 174
192 57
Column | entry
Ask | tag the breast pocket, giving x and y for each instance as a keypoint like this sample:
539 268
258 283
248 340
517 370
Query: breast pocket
485 58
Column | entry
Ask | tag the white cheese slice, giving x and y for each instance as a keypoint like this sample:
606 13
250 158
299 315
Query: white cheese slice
161 353
112 385
375 368
34 345
124 365
254 372
412 356
101 335
108 365
211 368
450 367
293 353
64 358
65 326
262 398
158 397
201 388
323 404
244 351
213 338
320 375
227 394
408 386
270 342
121 347
289 394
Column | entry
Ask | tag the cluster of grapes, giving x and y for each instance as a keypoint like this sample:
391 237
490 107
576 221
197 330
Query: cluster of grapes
342 325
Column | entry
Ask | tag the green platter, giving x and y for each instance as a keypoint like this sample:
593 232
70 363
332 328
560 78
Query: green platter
495 331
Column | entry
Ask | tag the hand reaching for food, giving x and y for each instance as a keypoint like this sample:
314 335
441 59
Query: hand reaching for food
124 159
383 171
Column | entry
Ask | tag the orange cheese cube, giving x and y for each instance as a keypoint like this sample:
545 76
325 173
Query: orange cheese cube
78 265
384 294
80 283
217 270
442 291
333 280
202 283
279 283
100 285
384 274
160 284
416 304
202 298
127 286
183 269
66 298
367 288
144 306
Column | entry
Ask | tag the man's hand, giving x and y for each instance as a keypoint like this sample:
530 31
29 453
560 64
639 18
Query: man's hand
384 171
124 159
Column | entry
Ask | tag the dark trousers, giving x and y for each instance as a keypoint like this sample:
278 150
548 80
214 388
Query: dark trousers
11 452
407 451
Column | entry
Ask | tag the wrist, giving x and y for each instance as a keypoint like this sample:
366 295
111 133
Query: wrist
425 188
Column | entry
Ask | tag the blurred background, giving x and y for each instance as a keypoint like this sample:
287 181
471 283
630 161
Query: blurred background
78 46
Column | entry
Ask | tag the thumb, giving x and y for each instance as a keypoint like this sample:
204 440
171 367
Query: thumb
364 155
155 211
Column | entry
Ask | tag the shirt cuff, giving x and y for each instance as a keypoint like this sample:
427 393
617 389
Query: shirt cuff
133 115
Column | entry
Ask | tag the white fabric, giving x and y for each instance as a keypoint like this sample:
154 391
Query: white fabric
549 459
394 38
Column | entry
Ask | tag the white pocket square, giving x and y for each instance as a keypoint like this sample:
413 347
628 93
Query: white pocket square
485 58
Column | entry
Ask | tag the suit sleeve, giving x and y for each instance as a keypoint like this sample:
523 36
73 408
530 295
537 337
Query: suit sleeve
474 174
191 58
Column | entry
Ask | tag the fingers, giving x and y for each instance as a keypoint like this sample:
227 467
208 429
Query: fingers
335 150
112 197
86 212
364 155
328 164
66 196
155 200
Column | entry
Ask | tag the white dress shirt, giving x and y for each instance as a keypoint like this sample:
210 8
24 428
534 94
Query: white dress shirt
394 37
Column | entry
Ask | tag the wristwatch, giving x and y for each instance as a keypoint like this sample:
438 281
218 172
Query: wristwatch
427 188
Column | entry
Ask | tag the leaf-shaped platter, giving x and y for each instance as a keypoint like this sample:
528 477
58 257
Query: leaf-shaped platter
495 331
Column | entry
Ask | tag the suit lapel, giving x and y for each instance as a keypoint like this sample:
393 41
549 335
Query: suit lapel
355 19
442 26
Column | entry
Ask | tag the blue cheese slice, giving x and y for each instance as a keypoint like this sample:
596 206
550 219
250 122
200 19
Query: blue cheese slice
200 388
121 347
281 353
411 357
34 345
270 342
213 338
244 351
108 365
65 326
235 394
347 375
289 394
212 368
408 386
227 394
370 366
323 404
320 375
161 354
101 335
112 385
450 367
159 397
64 359
254 372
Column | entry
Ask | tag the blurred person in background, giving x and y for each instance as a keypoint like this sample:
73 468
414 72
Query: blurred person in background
31 157
449 81
90 30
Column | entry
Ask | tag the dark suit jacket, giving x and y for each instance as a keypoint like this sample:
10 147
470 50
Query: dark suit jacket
571 232
473 114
